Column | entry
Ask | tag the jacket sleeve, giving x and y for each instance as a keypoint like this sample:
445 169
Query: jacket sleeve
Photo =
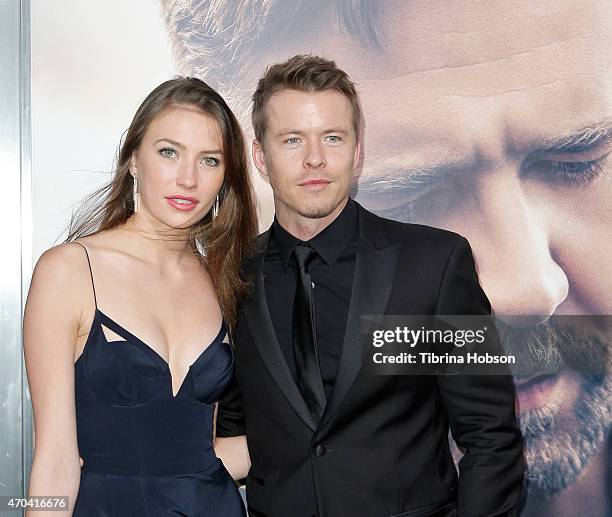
481 408
230 413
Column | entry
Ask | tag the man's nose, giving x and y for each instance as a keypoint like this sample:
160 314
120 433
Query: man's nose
187 175
315 156
511 247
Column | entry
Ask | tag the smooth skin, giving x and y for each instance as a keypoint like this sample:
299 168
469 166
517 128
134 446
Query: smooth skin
145 278
309 155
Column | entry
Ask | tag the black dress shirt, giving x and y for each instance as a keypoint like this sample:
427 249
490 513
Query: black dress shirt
332 274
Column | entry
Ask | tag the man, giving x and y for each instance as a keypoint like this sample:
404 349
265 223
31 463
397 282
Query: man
491 119
325 439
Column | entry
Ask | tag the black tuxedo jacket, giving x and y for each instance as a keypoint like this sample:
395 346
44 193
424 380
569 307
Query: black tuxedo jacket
381 447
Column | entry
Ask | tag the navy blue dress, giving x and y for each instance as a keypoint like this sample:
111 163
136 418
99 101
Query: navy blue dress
147 452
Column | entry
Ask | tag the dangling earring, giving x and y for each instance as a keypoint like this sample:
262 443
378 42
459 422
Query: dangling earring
215 207
135 193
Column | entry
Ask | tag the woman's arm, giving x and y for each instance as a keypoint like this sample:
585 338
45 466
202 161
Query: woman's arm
233 452
51 322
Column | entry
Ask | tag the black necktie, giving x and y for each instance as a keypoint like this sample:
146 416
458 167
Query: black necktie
305 336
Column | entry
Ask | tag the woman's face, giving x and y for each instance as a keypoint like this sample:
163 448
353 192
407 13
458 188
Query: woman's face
180 168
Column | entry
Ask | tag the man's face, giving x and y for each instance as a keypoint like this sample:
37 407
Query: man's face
309 152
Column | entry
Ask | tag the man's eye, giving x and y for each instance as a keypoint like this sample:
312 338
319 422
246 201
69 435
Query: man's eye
210 161
333 139
573 173
292 140
167 152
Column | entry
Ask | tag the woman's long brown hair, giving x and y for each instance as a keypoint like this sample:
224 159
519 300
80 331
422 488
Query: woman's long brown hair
221 243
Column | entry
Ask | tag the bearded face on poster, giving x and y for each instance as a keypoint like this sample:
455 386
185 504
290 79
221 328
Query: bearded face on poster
492 119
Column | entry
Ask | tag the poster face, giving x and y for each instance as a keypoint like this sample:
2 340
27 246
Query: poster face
490 119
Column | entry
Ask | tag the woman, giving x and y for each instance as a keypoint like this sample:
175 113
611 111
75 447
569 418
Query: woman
127 324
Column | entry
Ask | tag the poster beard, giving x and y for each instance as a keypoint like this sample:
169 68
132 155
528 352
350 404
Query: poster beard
559 445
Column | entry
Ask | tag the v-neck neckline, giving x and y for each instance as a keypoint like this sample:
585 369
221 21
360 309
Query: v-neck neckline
107 321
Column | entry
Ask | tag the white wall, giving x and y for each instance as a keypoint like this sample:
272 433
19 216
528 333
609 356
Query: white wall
92 65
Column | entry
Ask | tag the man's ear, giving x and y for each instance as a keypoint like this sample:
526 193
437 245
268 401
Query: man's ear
259 159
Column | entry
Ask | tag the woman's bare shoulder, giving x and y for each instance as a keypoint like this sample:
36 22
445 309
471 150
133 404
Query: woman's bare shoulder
61 259
58 290
61 269
70 260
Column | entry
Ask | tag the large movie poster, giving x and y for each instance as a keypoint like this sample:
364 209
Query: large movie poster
491 118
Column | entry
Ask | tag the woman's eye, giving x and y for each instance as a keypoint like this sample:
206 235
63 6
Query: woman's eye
210 161
167 152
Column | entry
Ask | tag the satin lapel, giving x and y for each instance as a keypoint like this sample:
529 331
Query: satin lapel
260 325
372 283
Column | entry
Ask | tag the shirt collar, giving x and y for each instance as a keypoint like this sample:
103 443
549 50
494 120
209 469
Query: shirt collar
329 243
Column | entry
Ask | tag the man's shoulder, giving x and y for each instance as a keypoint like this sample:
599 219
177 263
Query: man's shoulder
256 252
262 239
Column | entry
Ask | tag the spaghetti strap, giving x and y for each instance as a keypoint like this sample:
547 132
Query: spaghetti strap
90 272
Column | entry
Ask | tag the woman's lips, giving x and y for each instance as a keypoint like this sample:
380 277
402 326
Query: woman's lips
183 203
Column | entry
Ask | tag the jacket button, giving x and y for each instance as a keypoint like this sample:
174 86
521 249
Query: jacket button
320 450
